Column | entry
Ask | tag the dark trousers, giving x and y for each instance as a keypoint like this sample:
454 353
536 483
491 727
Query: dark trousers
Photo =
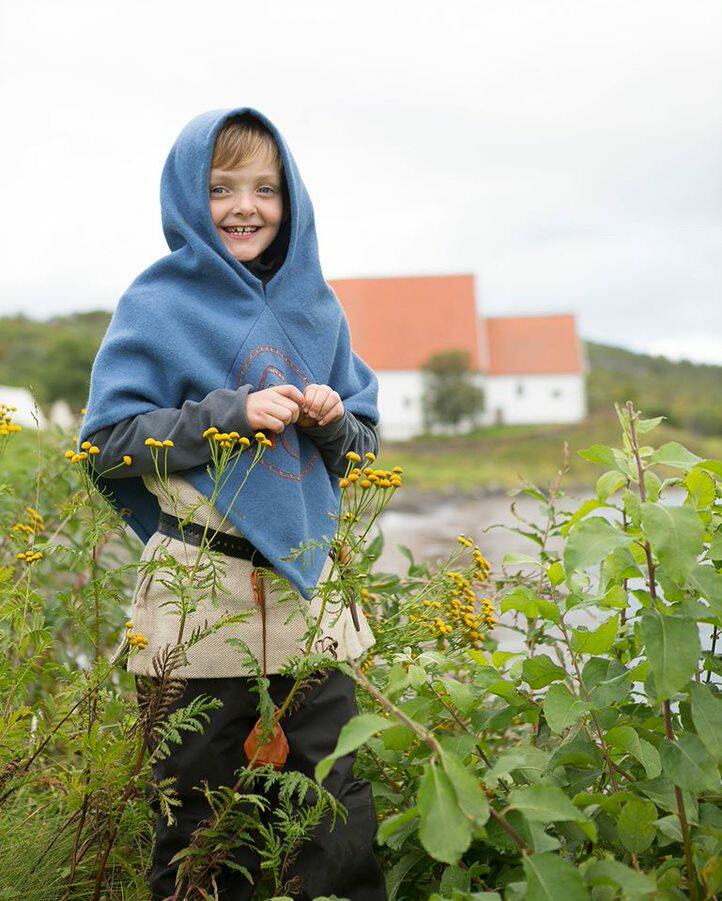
336 861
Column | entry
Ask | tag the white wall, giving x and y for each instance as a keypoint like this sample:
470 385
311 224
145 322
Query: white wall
509 399
535 398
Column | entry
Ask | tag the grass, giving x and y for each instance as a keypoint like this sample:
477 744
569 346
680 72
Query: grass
499 457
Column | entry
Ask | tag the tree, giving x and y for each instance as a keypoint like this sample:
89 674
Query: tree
450 394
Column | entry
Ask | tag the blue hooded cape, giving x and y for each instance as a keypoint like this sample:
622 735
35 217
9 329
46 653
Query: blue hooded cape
197 319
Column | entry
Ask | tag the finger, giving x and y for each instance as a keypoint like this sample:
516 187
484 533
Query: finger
335 413
290 391
310 397
286 411
272 423
329 402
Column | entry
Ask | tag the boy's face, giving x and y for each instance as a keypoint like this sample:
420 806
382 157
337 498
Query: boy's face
247 196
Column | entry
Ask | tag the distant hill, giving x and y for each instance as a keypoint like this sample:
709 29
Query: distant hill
53 358
688 394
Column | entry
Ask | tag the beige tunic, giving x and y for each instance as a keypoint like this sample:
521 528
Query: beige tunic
155 613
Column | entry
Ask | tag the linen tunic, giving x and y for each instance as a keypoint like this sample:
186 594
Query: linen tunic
213 657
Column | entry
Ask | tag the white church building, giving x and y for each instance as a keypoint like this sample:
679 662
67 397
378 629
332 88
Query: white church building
531 368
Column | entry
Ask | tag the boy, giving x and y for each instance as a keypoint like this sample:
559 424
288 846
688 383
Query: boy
236 328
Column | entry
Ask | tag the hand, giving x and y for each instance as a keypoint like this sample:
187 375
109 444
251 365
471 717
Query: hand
321 405
272 409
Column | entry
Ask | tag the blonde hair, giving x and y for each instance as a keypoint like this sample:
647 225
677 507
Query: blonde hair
241 139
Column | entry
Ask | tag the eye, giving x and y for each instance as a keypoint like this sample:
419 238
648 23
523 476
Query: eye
217 188
266 188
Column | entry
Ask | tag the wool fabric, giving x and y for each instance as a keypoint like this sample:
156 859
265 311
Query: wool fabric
197 319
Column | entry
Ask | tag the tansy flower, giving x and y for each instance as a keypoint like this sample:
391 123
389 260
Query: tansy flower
244 441
208 432
370 456
85 445
127 459
343 483
397 469
83 411
365 483
267 442
234 435
94 450
69 454
129 624
352 455
168 443
149 442
259 436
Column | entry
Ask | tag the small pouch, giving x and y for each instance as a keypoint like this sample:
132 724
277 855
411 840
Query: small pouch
275 750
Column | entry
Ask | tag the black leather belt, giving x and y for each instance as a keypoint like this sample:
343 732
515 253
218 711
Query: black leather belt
231 545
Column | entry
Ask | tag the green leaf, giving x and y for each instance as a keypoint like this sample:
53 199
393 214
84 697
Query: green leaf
541 670
687 764
626 739
354 733
555 573
707 718
444 830
608 483
545 804
590 541
636 825
607 456
597 642
512 559
607 681
675 455
562 709
708 582
551 878
701 488
522 599
580 513
676 535
612 872
471 797
393 824
673 650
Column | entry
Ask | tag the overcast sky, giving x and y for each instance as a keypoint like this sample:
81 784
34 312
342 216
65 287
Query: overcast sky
569 154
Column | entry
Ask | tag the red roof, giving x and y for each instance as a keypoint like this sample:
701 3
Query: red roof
532 345
398 323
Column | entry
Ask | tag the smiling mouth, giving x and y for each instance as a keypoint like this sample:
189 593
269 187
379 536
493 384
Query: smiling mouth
241 229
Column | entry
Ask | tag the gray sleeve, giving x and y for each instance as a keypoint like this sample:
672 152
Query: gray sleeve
223 408
334 440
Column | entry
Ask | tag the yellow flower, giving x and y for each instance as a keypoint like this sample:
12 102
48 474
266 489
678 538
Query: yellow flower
85 445
129 624
208 432
94 450
127 459
234 435
82 456
69 454
149 442
267 442
343 483
352 455
365 483
83 411
244 441
397 469
370 456
259 436
395 481
168 443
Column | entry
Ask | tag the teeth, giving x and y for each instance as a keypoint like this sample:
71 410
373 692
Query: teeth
243 230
